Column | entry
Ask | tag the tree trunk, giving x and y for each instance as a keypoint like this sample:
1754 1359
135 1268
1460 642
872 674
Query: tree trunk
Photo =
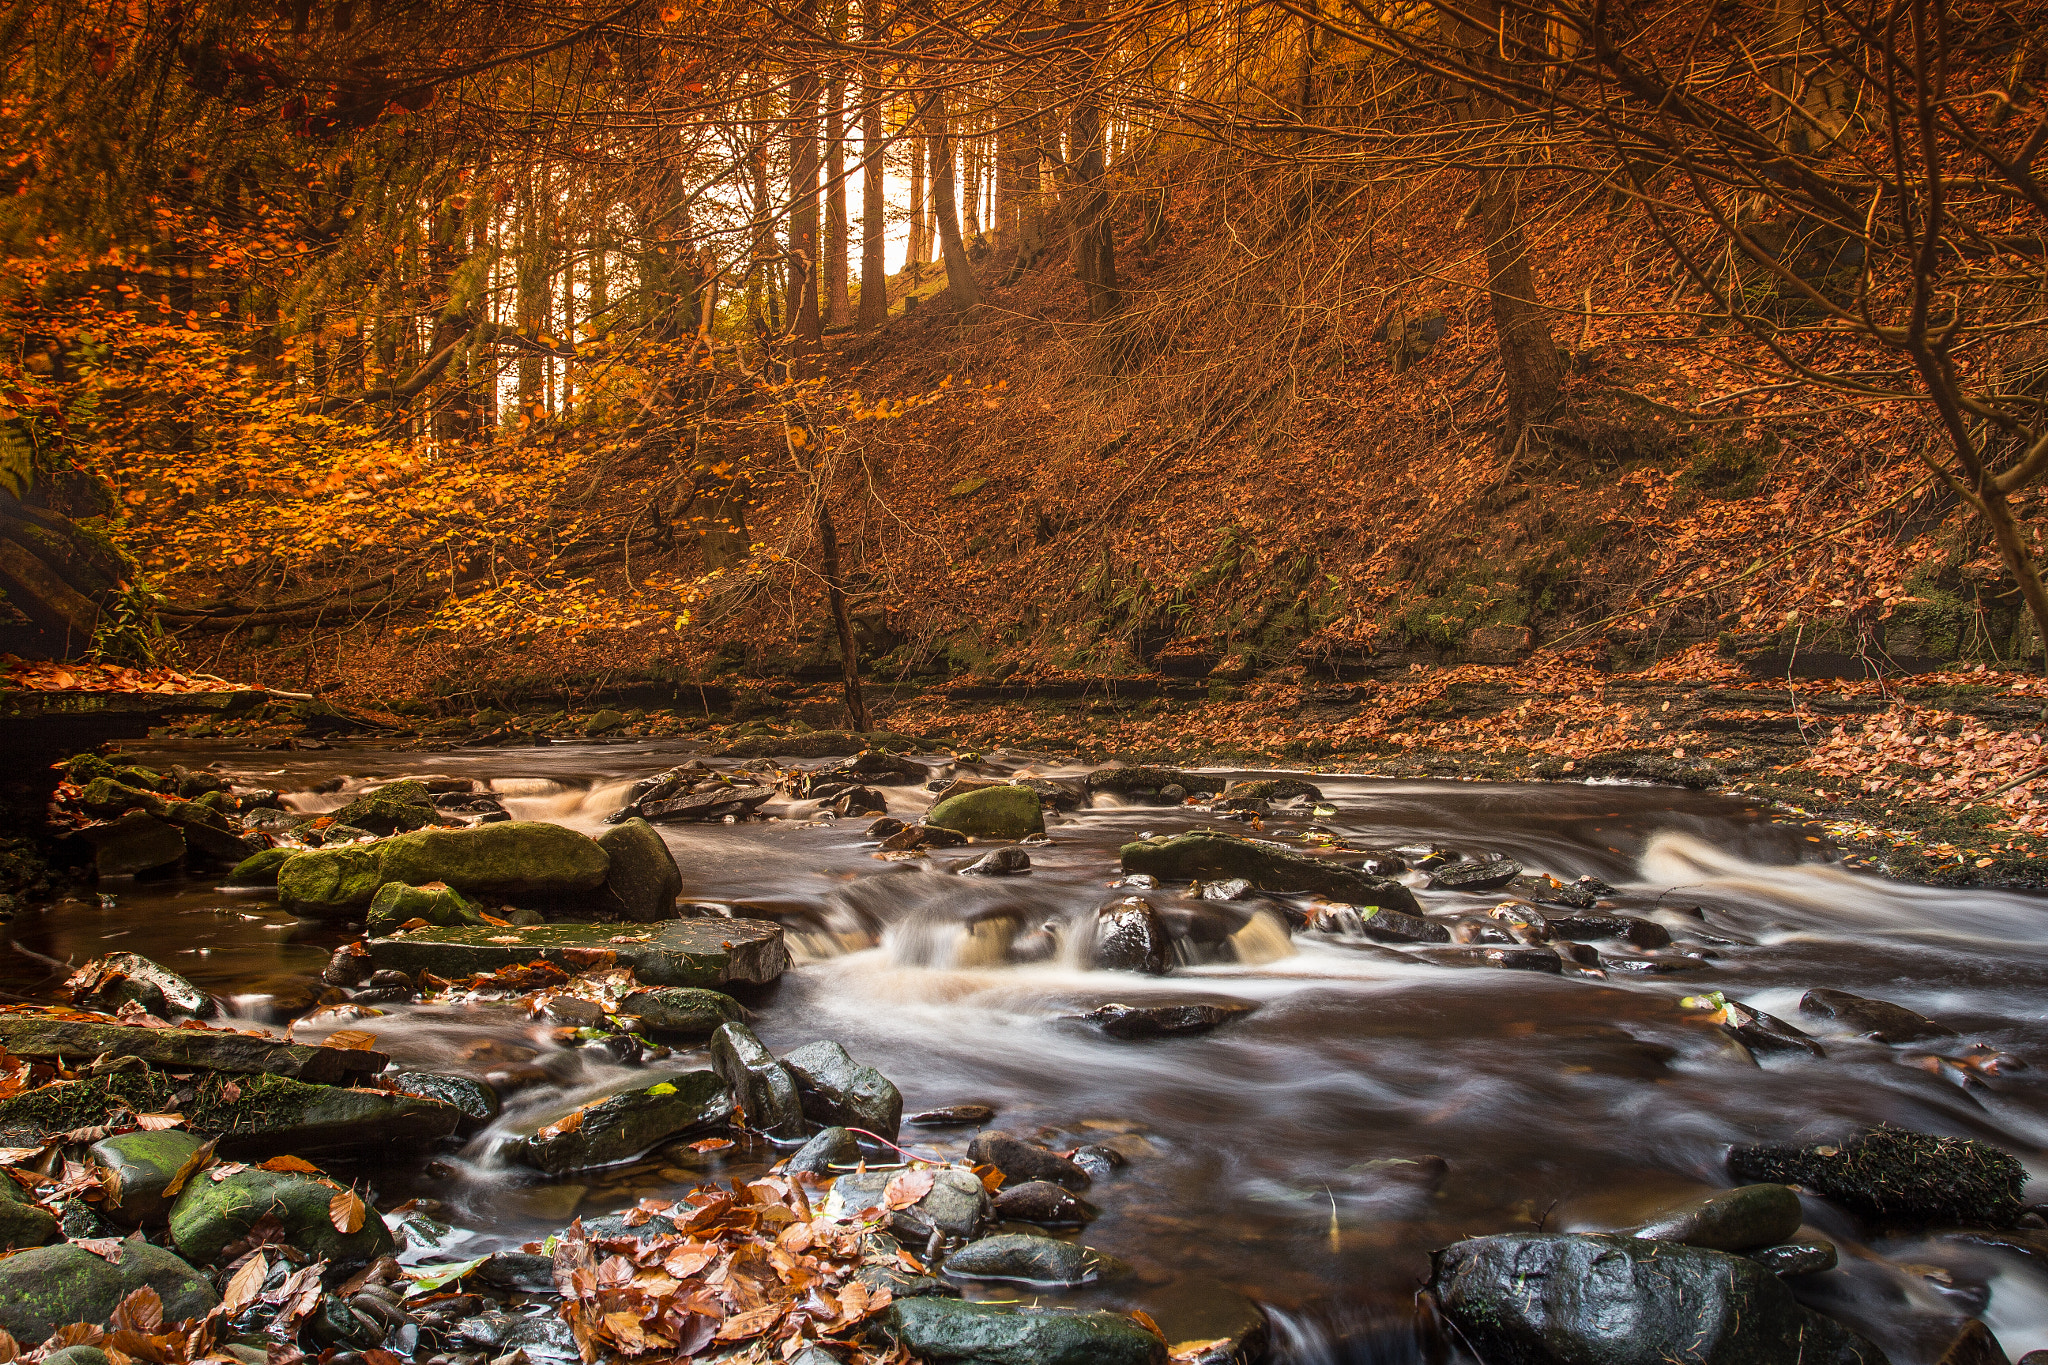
914 254
874 241
806 318
838 299
1094 242
961 288
760 306
835 590
1532 370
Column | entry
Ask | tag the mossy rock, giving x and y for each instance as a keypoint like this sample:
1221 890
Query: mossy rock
511 858
330 883
139 1167
622 1126
23 1222
84 768
988 1334
642 880
603 723
1896 1177
380 813
1008 812
211 1215
397 904
260 869
682 1012
107 797
53 1286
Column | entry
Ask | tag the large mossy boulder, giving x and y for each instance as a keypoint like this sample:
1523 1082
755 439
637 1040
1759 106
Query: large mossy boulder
642 880
677 952
1208 855
396 904
23 1222
211 1215
986 1334
136 1170
260 869
511 858
1007 812
54 1286
622 1126
681 1012
1583 1299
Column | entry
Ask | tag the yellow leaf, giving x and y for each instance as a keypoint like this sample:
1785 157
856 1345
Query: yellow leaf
347 1212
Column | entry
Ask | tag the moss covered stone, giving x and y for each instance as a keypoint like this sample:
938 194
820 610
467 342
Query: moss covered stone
1007 812
986 1334
512 858
330 883
641 880
260 869
212 1214
397 904
682 952
23 1222
1896 1176
682 1011
140 1167
50 1287
621 1127
1207 855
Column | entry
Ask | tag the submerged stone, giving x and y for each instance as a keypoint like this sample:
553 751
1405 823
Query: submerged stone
1207 855
1020 1160
684 952
1580 1299
1878 1020
622 1126
1741 1219
934 1328
1163 1021
681 1011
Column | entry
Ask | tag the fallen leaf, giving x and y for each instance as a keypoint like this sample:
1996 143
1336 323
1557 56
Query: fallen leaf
194 1164
290 1163
246 1284
142 1311
568 1123
347 1212
107 1249
230 1091
906 1188
711 1145
157 1123
350 1040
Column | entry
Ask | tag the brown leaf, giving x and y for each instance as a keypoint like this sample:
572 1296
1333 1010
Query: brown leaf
107 1249
290 1163
230 1091
157 1123
347 1212
711 1145
194 1164
246 1284
906 1188
350 1040
568 1123
142 1311
73 1334
10 1349
752 1323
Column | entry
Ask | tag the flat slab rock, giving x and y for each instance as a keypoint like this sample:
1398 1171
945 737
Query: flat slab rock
683 952
41 1038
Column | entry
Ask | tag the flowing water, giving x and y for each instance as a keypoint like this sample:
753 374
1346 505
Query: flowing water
1374 1107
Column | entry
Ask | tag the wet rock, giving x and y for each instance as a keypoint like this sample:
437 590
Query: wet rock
956 1205
884 828
572 1011
1643 933
397 904
1878 1020
1206 855
1741 1219
1135 781
53 1286
138 1168
1229 889
716 804
1024 1258
999 862
642 880
477 1101
1163 1021
1043 1202
136 842
985 1334
1796 1258
952 1116
1487 875
1020 1161
1480 929
208 834
836 1090
828 1147
1006 812
23 1222
764 1088
107 983
1130 938
259 869
1517 959
680 1012
1273 789
924 836
1896 1176
541 1336
519 1270
903 1285
680 952
40 1038
513 858
622 1126
1762 1032
211 1215
1540 1299
1385 926
392 809
1098 1162
1661 964
603 722
1973 1344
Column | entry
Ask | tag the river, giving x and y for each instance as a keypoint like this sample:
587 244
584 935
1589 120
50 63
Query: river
1309 1156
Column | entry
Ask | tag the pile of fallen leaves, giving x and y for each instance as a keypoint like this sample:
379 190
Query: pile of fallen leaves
753 1263
39 675
1922 754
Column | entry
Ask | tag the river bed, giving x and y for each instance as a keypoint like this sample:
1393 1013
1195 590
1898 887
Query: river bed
1309 1156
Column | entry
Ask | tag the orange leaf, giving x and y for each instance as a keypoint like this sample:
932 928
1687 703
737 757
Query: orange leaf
246 1285
711 1145
347 1212
290 1163
906 1188
350 1040
194 1164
